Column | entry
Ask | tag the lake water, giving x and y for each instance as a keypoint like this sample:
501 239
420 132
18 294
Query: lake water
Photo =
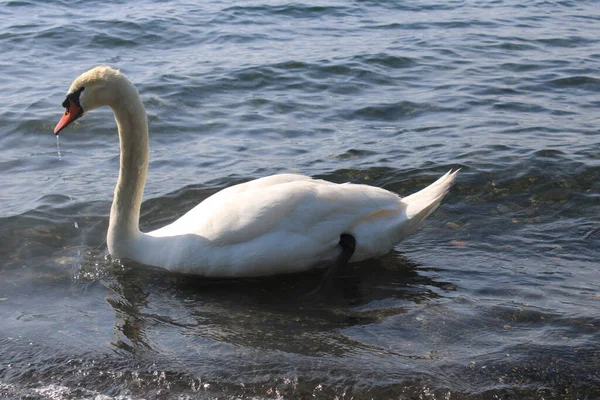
496 296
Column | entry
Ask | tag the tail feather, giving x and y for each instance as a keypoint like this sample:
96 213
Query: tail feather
393 226
422 203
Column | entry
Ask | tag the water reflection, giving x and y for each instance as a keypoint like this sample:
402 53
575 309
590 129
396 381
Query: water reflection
128 302
272 314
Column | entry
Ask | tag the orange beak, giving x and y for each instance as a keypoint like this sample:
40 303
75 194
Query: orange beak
70 115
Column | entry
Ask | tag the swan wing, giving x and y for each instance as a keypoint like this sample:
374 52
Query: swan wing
282 223
283 203
288 223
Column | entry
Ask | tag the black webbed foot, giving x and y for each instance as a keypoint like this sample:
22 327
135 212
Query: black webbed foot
339 268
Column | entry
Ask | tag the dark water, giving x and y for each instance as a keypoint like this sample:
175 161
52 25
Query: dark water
497 296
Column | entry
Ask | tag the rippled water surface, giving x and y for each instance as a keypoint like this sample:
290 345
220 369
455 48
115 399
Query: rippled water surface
496 296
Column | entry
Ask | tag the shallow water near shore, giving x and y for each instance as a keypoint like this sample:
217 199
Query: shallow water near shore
496 296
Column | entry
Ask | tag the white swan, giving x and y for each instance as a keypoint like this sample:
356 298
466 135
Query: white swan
277 224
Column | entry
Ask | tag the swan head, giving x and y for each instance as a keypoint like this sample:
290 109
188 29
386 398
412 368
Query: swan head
95 88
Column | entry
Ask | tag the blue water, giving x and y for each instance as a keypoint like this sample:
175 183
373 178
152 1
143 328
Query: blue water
496 296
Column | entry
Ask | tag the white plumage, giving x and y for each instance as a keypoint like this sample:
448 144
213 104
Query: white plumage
277 224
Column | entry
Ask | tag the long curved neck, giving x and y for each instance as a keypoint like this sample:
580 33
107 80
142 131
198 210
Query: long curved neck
133 139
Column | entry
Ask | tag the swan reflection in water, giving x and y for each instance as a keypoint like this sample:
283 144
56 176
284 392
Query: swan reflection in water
267 313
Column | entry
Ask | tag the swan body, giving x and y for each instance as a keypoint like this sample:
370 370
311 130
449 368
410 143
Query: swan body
277 224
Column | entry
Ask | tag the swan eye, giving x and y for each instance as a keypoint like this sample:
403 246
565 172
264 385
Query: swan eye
73 97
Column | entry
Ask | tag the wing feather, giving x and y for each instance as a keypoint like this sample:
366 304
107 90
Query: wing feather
284 204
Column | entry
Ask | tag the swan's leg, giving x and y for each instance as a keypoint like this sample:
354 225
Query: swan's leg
348 243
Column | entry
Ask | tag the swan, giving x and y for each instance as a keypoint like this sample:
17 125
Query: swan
277 224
